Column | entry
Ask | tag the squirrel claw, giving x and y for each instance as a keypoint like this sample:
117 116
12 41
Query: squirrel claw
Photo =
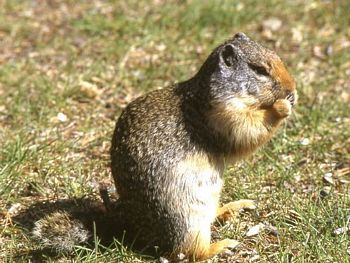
230 243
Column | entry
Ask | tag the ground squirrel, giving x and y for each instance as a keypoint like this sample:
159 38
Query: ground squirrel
170 146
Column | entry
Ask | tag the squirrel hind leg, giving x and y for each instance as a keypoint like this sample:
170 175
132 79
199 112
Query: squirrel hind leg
198 246
202 249
219 247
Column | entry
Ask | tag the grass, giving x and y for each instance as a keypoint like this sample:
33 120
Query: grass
67 68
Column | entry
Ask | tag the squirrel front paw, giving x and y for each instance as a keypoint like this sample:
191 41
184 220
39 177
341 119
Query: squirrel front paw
282 107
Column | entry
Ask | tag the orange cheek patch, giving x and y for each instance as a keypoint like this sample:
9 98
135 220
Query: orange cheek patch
280 73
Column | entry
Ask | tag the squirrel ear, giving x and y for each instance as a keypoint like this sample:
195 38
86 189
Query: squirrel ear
228 55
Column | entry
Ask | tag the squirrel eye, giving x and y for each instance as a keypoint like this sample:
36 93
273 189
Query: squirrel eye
229 56
259 69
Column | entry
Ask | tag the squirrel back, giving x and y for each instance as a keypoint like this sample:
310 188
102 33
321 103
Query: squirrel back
170 146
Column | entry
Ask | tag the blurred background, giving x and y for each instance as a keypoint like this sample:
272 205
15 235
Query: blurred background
68 68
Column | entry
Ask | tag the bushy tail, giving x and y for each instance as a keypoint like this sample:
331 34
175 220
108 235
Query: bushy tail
60 232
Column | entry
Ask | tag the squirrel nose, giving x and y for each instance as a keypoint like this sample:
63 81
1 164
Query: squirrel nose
241 36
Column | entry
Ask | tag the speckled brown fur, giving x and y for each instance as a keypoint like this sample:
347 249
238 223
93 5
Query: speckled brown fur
170 145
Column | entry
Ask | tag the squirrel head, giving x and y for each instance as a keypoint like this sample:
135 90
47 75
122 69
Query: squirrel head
247 73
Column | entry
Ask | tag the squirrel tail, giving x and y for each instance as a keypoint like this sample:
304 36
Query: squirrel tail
60 232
